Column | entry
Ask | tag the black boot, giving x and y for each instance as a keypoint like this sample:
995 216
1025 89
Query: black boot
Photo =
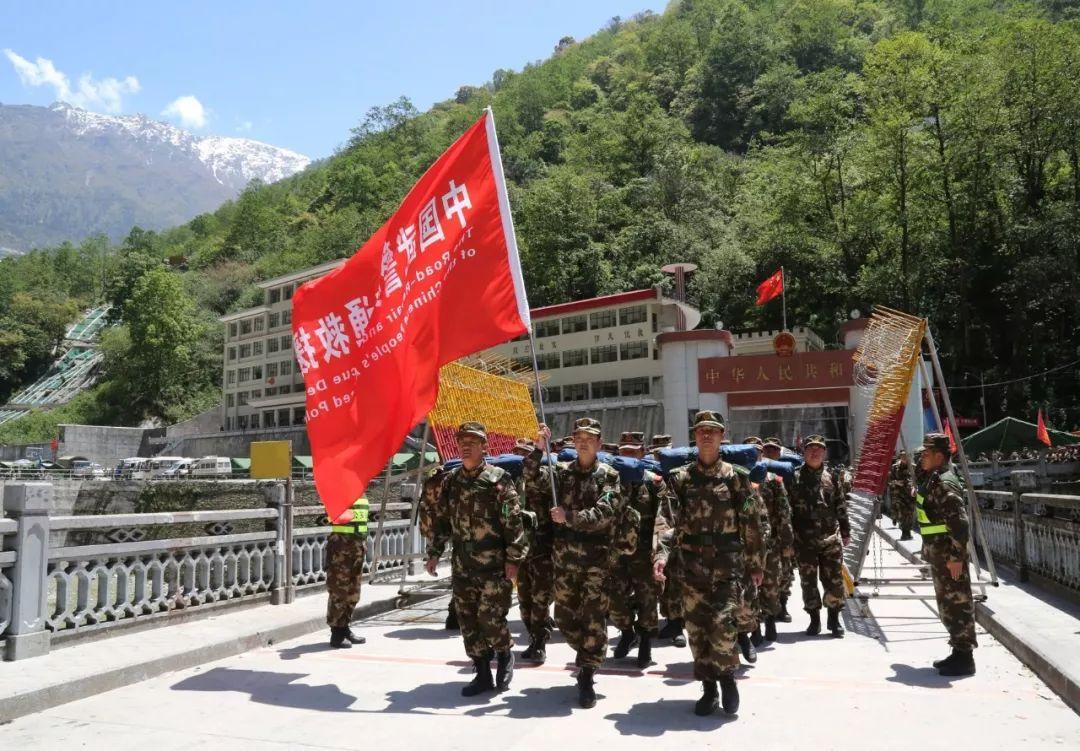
529 653
755 636
783 616
451 619
504 670
959 663
748 651
483 680
833 623
339 637
586 693
906 535
671 627
709 701
729 694
535 651
770 629
627 641
644 652
679 639
815 623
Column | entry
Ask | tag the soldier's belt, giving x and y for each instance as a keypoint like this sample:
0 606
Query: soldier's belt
722 543
572 535
477 546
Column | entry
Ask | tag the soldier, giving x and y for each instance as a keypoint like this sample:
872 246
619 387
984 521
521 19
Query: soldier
429 503
773 449
670 595
345 550
780 546
478 509
633 587
819 519
748 615
718 532
589 501
943 525
536 579
901 495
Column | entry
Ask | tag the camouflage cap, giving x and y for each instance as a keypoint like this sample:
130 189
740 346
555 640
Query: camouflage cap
708 419
587 425
774 442
937 442
472 428
660 441
523 447
753 440
631 439
611 448
815 440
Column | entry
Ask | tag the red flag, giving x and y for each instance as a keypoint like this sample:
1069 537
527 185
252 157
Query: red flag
1041 432
440 280
770 288
952 441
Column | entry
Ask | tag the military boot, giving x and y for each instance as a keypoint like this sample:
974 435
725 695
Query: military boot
339 637
748 651
755 636
451 619
644 652
905 535
483 680
959 663
671 627
815 623
504 670
833 623
627 641
783 616
770 629
586 692
678 636
535 651
709 701
729 694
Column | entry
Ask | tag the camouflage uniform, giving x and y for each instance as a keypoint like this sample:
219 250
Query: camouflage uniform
536 578
344 572
633 585
429 501
901 495
582 550
747 614
717 530
819 519
480 512
781 538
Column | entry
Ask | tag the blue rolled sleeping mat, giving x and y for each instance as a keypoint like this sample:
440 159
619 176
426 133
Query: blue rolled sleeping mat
512 463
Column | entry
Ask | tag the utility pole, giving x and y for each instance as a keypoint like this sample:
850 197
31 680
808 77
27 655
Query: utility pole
982 397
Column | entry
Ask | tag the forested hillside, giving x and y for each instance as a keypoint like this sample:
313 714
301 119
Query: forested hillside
918 154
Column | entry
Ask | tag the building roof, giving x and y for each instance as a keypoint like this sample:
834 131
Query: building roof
620 298
243 314
302 274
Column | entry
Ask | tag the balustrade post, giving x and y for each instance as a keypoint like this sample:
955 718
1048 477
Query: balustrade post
282 586
28 504
1021 480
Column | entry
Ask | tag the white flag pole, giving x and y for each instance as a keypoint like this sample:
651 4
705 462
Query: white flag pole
783 294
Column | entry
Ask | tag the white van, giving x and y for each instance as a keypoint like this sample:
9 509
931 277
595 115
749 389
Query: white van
160 466
212 466
133 468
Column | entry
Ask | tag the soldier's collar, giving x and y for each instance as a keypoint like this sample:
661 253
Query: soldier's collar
473 473
713 470
576 465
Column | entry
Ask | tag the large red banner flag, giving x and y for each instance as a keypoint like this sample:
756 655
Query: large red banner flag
770 288
440 280
1041 432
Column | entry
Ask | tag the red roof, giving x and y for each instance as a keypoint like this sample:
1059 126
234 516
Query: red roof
620 298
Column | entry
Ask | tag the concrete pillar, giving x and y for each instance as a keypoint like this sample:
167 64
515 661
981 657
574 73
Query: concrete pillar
28 504
679 355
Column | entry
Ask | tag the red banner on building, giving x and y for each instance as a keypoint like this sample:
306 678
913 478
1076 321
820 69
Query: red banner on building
440 280
802 370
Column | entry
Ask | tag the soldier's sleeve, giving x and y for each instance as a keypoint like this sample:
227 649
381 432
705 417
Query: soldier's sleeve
750 523
785 533
513 528
608 503
440 522
954 510
840 504
665 526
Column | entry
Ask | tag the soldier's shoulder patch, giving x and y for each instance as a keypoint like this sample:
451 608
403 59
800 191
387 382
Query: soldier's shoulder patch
739 469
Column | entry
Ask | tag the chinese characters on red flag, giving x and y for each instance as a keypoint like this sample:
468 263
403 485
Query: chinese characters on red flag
770 288
440 280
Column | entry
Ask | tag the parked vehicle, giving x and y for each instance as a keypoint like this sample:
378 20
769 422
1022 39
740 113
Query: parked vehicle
160 465
212 466
178 471
133 468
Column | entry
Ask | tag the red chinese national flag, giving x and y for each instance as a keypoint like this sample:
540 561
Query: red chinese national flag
952 441
440 280
770 288
1041 432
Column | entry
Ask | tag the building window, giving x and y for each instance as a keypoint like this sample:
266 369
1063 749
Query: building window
275 320
633 314
274 296
245 351
635 386
286 317
256 393
230 377
259 322
605 353
553 394
228 423
286 292
547 328
257 347
244 376
574 357
575 392
232 353
241 422
245 326
272 344
286 342
256 372
283 418
242 398
604 319
574 324
298 416
655 323
633 350
605 389
271 391
271 369
525 363
255 420
286 367
230 400
548 361
232 330
268 419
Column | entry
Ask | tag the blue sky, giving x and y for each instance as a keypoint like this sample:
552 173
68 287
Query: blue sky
292 74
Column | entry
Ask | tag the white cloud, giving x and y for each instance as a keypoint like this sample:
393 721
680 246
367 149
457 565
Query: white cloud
105 94
188 110
245 127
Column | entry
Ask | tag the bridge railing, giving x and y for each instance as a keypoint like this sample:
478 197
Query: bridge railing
67 577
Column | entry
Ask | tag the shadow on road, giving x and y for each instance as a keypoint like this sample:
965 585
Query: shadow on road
532 703
295 653
432 632
926 677
267 687
653 719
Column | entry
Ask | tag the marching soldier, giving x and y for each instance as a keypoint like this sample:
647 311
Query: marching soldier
718 533
943 525
429 503
345 550
780 546
820 522
478 509
748 615
588 501
901 495
671 594
633 586
773 449
536 578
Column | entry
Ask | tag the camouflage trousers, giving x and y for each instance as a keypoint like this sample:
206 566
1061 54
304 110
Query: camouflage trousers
671 605
482 601
710 604
344 570
903 510
746 614
956 607
536 592
770 590
787 575
581 609
633 588
822 558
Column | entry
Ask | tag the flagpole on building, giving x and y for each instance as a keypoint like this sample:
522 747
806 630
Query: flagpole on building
783 294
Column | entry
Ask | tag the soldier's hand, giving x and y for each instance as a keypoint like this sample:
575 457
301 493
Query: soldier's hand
432 566
558 515
955 568
511 571
757 577
846 539
789 552
658 571
542 437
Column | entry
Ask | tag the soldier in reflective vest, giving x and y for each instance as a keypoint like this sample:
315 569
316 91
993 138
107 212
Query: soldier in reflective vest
345 550
943 523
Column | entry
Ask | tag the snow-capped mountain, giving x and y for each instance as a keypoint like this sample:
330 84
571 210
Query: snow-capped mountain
66 173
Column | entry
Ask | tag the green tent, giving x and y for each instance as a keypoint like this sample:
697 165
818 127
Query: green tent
302 462
407 460
1009 434
241 464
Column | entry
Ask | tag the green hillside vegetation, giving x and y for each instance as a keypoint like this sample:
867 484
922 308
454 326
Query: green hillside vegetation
918 154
